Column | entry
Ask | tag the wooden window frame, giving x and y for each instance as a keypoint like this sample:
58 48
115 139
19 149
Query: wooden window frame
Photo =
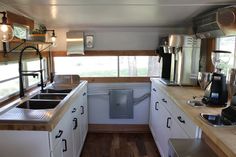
111 53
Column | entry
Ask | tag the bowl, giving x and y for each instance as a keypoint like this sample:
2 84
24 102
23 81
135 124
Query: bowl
204 78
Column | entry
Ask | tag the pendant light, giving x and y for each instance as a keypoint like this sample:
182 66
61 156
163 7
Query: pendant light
53 37
6 29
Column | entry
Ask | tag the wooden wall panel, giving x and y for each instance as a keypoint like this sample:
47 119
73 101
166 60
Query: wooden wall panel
115 79
119 128
111 53
14 18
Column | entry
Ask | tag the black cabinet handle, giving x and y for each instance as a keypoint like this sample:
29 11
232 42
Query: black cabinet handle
64 149
167 122
59 134
156 103
164 100
180 119
84 93
82 107
74 110
154 89
75 120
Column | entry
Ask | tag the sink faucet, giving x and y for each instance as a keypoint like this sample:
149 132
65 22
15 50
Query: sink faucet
30 73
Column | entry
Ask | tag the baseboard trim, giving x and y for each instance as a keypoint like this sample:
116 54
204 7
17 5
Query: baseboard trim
118 128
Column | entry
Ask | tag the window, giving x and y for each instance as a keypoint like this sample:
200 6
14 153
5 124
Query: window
227 44
87 66
108 66
9 79
20 31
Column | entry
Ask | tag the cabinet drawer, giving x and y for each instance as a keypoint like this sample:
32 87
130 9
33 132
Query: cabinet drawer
184 122
167 102
56 134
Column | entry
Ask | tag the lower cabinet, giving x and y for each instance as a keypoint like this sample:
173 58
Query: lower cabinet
167 121
65 140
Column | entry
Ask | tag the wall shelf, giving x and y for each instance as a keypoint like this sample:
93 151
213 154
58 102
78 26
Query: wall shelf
18 45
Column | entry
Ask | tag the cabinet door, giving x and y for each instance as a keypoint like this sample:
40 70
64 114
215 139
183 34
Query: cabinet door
164 129
67 143
154 107
83 118
177 131
57 151
76 125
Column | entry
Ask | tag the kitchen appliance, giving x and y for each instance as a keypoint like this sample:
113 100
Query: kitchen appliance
216 93
203 79
216 23
181 55
231 84
226 118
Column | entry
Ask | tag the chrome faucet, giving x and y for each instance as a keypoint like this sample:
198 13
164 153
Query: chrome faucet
30 73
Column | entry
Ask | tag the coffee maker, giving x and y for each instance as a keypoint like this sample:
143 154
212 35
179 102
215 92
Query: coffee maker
180 59
216 93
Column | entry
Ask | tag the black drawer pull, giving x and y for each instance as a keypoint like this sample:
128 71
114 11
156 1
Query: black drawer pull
76 123
59 134
164 100
64 149
84 93
82 107
156 103
74 110
154 89
180 119
167 122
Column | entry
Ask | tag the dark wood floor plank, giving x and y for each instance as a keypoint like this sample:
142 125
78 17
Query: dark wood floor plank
119 145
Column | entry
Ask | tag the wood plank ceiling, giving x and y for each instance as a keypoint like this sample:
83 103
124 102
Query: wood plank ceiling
113 13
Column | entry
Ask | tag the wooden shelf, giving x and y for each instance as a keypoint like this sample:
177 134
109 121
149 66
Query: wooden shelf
17 45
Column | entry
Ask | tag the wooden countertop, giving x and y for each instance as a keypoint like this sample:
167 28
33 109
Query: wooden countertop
27 119
224 137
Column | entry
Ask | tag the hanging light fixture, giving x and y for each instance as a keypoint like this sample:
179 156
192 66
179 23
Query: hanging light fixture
6 29
53 37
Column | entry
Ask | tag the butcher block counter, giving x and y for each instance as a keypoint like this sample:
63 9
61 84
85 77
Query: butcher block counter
223 137
14 118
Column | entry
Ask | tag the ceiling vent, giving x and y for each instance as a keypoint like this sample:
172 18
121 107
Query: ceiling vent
221 22
75 43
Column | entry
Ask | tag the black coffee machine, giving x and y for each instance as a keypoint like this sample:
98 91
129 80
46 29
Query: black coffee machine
216 93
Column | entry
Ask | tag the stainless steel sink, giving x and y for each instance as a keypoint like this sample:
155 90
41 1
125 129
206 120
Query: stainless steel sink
39 104
50 96
49 90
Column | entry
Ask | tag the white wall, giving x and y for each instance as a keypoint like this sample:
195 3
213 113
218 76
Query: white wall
119 38
99 104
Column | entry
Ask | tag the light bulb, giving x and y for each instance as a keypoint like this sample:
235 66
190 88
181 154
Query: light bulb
4 28
6 32
53 39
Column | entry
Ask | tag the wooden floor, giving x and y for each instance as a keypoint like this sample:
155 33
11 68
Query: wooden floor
119 145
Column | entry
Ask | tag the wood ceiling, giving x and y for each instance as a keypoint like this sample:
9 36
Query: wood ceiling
113 13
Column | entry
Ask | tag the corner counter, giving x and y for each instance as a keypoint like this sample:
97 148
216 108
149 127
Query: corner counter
223 137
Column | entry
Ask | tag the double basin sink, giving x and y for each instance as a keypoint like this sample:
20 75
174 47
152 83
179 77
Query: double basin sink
47 99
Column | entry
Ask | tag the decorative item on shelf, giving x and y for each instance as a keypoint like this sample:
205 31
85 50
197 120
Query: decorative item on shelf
38 34
89 41
53 37
6 29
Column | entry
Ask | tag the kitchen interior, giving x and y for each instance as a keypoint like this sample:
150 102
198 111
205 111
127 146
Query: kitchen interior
117 78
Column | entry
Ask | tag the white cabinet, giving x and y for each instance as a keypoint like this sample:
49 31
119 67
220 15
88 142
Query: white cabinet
67 143
84 115
61 137
167 121
65 140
